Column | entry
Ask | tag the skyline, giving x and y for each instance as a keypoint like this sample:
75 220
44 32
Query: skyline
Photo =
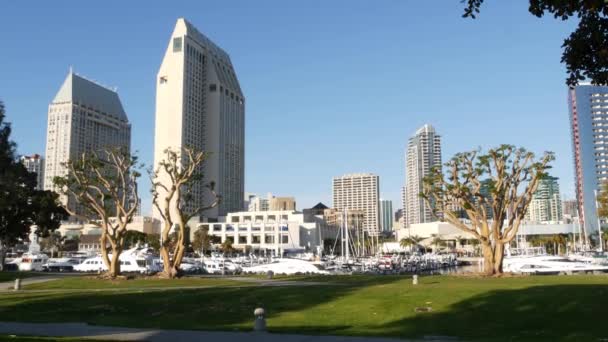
331 97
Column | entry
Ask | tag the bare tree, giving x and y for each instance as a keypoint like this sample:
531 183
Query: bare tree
173 183
493 189
104 183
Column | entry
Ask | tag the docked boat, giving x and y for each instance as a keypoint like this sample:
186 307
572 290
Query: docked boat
60 264
32 261
287 266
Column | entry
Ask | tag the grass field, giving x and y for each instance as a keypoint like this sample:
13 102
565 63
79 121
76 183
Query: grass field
569 308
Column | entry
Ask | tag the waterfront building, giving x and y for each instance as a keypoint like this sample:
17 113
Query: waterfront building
267 232
35 164
423 153
83 117
199 104
386 215
588 109
359 192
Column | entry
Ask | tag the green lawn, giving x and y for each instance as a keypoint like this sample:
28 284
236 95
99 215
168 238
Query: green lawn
569 308
90 283
39 339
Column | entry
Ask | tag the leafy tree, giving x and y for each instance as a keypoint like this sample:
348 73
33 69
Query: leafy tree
201 240
52 243
586 50
133 237
509 175
105 184
21 205
173 183
153 241
226 246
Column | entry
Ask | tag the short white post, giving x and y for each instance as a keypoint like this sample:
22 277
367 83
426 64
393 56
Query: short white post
415 279
259 325
17 284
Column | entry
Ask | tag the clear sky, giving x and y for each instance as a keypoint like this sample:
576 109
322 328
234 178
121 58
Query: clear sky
332 87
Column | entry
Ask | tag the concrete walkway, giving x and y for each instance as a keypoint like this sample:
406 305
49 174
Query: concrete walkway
9 285
85 331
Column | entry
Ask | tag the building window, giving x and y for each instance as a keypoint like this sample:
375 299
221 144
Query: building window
162 80
177 44
212 87
268 239
284 239
242 240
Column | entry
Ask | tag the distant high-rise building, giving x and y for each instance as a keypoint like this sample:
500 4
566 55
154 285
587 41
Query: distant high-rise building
386 215
546 204
423 153
258 204
569 208
282 203
199 104
359 192
247 199
588 106
83 117
35 164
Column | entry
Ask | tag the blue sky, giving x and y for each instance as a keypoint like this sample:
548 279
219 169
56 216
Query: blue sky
332 87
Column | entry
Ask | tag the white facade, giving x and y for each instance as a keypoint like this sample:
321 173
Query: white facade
359 192
144 224
546 204
272 231
83 117
35 164
423 153
258 204
199 104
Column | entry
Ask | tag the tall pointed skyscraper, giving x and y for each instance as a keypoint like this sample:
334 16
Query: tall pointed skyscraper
199 103
423 153
84 116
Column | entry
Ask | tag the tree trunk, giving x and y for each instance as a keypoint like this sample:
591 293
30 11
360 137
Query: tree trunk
104 250
114 269
499 253
488 259
2 256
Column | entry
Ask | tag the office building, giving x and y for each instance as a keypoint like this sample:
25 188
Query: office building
588 107
35 164
546 204
199 104
386 215
359 192
83 117
423 153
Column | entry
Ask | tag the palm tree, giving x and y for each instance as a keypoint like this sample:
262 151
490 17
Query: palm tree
405 242
436 241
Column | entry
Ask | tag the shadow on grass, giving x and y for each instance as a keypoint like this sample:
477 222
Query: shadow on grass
229 308
557 312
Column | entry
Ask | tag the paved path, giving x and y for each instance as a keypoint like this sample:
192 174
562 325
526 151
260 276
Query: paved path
9 285
85 331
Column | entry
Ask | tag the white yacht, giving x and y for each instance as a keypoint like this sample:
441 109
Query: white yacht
32 261
536 261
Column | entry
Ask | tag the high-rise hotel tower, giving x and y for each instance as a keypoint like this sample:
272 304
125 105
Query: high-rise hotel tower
588 105
199 103
83 117
423 153
359 191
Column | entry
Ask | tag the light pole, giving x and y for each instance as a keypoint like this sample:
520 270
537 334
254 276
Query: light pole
599 226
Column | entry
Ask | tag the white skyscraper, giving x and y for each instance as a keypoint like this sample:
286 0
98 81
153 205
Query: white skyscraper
199 104
359 192
423 152
83 117
35 164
